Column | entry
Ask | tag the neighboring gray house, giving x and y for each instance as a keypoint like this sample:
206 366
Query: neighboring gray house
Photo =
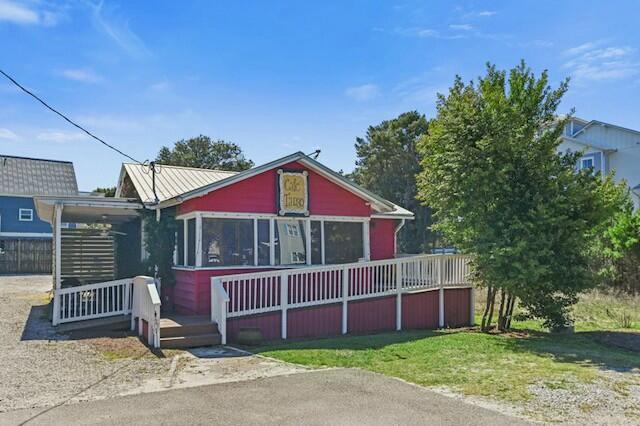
606 148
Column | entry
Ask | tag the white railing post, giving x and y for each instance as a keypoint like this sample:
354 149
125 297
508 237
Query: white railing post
126 308
399 296
284 301
441 292
219 307
345 297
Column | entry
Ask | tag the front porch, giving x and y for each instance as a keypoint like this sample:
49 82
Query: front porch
279 302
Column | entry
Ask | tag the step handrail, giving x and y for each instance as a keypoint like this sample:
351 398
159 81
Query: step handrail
146 307
219 307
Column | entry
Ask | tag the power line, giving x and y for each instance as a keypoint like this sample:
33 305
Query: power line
66 118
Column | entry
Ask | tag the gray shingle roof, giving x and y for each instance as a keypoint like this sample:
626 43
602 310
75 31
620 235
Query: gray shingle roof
32 176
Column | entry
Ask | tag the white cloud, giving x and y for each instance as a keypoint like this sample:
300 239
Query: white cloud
419 89
364 92
160 86
7 134
581 48
17 13
461 27
60 136
427 33
591 62
118 30
23 14
83 75
479 14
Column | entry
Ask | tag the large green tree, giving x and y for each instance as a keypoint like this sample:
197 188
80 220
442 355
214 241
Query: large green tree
501 192
206 153
387 164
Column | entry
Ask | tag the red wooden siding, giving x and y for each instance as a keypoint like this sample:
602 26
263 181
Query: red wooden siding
420 310
318 321
270 325
382 238
367 316
192 292
257 194
456 307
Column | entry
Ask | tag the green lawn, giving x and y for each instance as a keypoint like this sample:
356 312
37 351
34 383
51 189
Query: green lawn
501 366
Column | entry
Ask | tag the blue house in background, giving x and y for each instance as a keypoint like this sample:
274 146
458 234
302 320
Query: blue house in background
25 240
606 148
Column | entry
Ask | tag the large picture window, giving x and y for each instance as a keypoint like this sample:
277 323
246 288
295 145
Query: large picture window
343 242
227 242
290 242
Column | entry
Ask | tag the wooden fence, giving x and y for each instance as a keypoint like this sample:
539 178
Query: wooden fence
25 256
87 255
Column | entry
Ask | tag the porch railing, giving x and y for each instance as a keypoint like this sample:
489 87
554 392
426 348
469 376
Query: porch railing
254 293
92 301
146 308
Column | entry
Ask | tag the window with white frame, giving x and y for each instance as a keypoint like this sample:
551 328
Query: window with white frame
25 215
586 163
343 242
243 240
290 242
227 242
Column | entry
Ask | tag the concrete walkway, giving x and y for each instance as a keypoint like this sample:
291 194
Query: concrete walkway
337 396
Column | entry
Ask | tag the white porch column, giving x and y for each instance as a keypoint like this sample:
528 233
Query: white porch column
198 239
272 238
185 243
366 240
57 229
307 233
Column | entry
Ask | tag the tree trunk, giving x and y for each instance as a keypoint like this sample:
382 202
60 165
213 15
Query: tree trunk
510 315
502 310
483 324
491 306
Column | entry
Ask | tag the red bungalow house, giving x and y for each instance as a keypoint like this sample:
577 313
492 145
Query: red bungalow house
290 248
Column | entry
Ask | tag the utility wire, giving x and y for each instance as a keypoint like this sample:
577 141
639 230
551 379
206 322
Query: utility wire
66 118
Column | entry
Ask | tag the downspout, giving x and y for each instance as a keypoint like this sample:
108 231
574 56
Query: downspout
395 237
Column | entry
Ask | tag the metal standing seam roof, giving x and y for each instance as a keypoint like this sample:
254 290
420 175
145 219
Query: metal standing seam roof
176 184
33 176
171 181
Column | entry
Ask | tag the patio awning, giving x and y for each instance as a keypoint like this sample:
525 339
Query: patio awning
88 209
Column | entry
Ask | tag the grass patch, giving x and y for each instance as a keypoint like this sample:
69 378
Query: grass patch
474 363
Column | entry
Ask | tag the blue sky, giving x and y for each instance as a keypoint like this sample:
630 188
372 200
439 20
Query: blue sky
277 77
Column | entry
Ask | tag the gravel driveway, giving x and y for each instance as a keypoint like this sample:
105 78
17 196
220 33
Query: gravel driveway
39 368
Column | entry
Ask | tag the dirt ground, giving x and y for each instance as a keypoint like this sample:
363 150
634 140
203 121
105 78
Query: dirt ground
41 368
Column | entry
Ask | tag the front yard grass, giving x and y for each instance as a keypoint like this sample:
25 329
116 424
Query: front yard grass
492 365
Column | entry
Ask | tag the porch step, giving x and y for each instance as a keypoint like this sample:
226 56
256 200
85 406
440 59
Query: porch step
188 332
176 326
114 323
181 342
